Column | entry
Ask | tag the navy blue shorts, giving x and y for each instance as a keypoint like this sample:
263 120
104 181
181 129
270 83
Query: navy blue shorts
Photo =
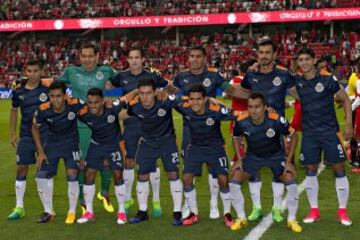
313 145
55 151
252 165
25 151
149 151
132 134
215 158
97 154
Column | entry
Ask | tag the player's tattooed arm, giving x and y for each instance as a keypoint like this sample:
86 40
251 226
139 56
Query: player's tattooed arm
14 139
39 148
342 96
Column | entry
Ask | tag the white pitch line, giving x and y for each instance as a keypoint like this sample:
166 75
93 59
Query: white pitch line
257 232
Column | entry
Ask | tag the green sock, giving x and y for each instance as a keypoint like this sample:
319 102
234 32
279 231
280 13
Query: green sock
106 175
81 179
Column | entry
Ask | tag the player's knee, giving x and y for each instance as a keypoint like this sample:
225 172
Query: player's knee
223 181
20 177
277 179
129 163
339 173
188 180
117 175
43 175
118 181
173 176
288 179
143 177
235 181
82 165
21 171
71 178
189 188
311 172
106 165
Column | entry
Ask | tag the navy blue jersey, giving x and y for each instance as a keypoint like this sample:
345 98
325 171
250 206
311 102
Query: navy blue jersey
29 101
61 127
106 127
156 122
317 102
272 85
205 129
263 140
210 79
129 82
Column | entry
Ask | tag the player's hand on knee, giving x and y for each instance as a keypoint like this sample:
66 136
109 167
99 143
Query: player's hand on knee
14 140
289 168
41 158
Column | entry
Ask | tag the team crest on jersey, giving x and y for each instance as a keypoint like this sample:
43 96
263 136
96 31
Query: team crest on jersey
207 82
319 87
301 157
43 97
172 97
99 75
71 116
210 121
277 81
161 112
270 133
116 102
111 119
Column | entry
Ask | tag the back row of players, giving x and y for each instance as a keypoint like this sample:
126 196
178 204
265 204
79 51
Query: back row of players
149 134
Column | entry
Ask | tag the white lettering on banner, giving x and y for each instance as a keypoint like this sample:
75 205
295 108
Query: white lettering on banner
16 25
183 19
7 93
296 15
132 21
345 13
259 17
90 23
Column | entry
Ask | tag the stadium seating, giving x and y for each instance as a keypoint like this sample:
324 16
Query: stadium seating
53 9
225 51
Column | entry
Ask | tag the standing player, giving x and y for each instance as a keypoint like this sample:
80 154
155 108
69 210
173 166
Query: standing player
60 117
273 82
321 132
211 80
128 80
353 92
263 132
106 142
206 146
28 96
81 79
157 141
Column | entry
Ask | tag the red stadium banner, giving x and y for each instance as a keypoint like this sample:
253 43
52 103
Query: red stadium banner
183 20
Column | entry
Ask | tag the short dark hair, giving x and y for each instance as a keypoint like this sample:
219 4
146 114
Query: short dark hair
58 85
147 82
306 50
256 95
265 42
196 88
34 62
95 92
137 48
88 45
198 48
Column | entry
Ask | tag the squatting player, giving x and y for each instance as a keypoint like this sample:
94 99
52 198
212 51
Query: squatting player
62 141
263 132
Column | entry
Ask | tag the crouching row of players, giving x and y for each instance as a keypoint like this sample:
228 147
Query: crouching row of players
262 130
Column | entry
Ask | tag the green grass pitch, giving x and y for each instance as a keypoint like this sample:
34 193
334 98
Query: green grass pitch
105 226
